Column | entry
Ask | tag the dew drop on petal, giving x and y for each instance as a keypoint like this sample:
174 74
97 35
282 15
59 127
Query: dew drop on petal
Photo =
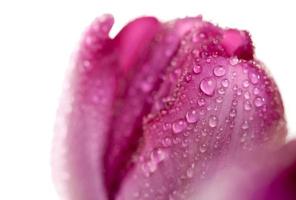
213 121
166 142
225 83
247 95
219 99
196 69
157 155
246 83
247 105
258 102
233 61
192 116
179 126
232 112
245 125
208 86
254 78
203 148
201 101
219 71
256 91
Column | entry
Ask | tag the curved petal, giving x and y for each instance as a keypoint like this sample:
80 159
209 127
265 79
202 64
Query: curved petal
84 118
217 107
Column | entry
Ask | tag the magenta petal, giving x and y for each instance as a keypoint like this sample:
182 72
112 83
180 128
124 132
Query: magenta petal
134 39
215 108
84 118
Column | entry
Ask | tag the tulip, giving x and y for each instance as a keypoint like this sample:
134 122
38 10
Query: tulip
178 110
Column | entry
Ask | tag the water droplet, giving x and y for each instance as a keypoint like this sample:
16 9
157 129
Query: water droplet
247 105
233 75
203 148
239 91
213 121
234 102
246 83
233 60
166 142
196 69
192 116
158 155
221 90
245 125
258 102
188 78
219 71
167 126
201 101
225 83
256 91
219 99
152 166
235 87
254 78
208 86
179 126
247 95
232 112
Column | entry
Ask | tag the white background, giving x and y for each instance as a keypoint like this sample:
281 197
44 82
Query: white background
37 38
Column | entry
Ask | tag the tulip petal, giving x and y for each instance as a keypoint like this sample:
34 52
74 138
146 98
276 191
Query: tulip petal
84 117
217 107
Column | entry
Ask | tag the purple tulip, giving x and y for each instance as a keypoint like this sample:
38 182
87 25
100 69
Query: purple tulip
171 111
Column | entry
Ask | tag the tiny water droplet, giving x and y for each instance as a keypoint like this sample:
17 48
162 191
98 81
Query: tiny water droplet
196 69
235 87
179 126
203 148
246 83
157 155
219 71
225 83
256 91
258 102
233 61
213 121
247 105
254 78
219 99
221 90
192 116
245 125
239 91
247 95
201 101
166 142
234 102
232 112
208 86
188 78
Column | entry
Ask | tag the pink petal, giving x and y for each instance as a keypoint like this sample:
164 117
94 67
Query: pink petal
215 108
264 176
84 117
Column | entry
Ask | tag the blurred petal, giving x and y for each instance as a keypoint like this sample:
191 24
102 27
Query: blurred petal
265 176
84 117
